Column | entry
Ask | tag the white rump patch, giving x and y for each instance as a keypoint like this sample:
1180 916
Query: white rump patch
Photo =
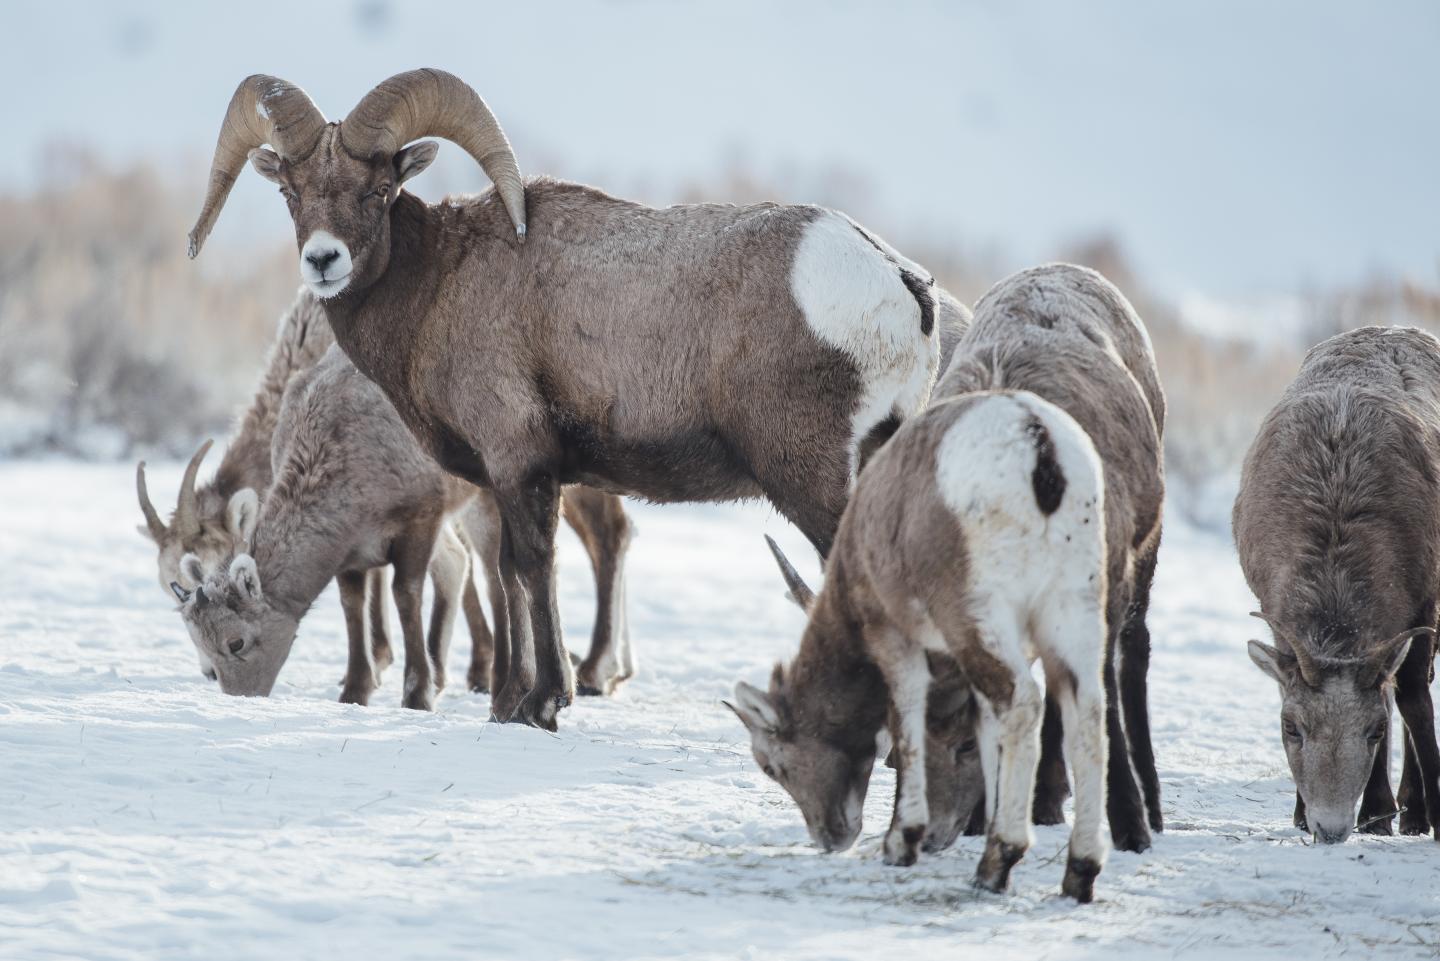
984 471
854 300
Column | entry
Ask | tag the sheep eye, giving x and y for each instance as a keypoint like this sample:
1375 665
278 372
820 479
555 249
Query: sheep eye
1291 730
965 747
769 772
236 646
1376 734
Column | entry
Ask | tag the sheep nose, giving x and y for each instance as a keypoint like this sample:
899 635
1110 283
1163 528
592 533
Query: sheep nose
320 259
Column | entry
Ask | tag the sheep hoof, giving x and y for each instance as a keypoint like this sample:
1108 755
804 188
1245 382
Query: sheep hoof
1079 883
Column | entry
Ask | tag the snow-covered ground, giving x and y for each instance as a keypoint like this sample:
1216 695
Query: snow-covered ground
143 815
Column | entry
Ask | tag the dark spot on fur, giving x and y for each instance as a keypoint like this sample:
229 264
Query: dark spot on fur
876 439
1047 479
919 288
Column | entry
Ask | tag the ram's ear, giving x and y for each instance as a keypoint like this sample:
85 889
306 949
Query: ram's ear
241 514
266 163
414 159
1274 662
755 709
246 576
190 567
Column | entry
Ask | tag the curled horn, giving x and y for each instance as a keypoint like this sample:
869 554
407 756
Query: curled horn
152 518
263 110
800 592
187 514
433 103
1309 673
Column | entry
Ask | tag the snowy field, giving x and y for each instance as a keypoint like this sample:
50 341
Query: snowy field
143 815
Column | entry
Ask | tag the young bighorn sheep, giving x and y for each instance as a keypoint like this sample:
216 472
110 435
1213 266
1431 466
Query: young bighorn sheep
1067 334
1338 527
547 333
352 492
976 533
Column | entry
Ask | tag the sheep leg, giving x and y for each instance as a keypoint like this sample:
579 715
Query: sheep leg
449 573
1052 786
489 665
360 681
1378 801
1412 694
1134 688
411 558
907 676
599 520
1010 705
1128 826
1072 639
531 514
377 591
1413 819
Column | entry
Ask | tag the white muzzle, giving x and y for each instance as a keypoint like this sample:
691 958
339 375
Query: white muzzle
325 264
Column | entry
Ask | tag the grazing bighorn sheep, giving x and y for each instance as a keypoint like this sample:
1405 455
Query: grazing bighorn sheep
1067 334
352 492
547 333
1338 526
976 533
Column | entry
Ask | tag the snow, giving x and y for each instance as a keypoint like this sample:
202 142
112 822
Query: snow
146 816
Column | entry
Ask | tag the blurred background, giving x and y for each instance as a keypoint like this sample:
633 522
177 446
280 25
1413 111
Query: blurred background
1255 177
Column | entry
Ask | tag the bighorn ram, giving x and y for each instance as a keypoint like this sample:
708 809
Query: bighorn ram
976 533
547 333
1067 334
1338 526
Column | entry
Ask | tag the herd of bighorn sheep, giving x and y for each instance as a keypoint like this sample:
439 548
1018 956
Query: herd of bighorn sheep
984 492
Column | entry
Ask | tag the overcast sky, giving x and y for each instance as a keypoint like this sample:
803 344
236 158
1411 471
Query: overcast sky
1236 148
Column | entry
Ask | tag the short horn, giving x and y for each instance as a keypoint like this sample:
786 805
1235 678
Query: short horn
1309 671
433 103
181 594
800 592
187 514
263 110
152 517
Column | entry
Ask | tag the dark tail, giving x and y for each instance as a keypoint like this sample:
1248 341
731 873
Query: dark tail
1047 478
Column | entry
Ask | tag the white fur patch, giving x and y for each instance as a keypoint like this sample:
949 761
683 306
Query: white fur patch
335 276
1024 560
854 300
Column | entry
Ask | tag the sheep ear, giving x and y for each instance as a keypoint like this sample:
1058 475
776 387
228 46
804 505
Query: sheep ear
241 514
190 567
266 163
246 576
414 159
1281 667
754 709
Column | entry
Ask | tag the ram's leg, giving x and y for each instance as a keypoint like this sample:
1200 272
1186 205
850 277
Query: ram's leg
1413 819
531 514
1378 802
1052 786
449 573
1412 694
360 681
489 666
412 559
1072 636
907 675
599 520
1010 707
377 592
1123 801
1134 687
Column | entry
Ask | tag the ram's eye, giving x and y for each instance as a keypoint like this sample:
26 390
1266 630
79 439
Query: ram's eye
1291 730
966 747
379 193
769 772
1376 733
236 646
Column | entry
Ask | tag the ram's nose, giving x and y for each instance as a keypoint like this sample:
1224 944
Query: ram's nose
322 258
